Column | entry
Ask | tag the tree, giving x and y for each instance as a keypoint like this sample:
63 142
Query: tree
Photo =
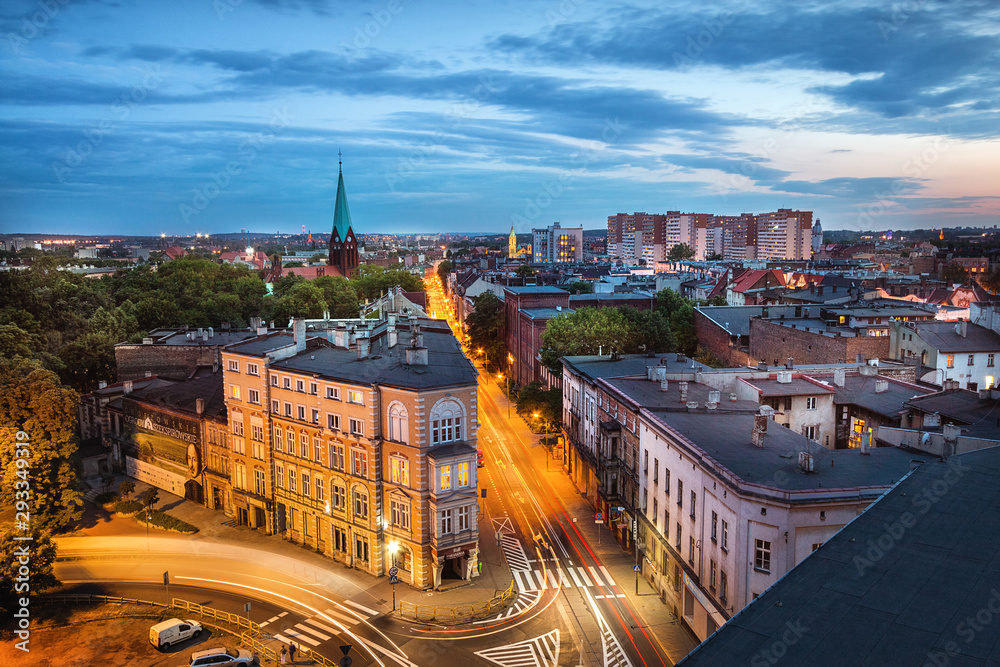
341 299
580 287
680 252
717 300
954 273
126 489
592 330
36 405
42 551
149 497
486 327
991 281
443 269
374 281
713 257
679 311
525 271
532 400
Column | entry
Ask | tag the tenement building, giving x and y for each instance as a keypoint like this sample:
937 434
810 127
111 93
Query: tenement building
359 440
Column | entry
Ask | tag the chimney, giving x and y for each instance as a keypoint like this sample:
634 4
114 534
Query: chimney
201 332
199 406
866 443
416 356
363 348
204 336
839 377
211 332
951 432
962 328
664 385
299 333
784 377
714 396
692 405
732 397
683 386
149 373
392 335
147 341
127 386
790 363
881 385
806 462
102 384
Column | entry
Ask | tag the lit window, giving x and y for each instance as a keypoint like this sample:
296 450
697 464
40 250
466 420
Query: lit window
360 463
445 478
399 471
951 361
235 392
354 397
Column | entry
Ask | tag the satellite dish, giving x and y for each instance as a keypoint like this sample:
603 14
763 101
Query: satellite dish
925 439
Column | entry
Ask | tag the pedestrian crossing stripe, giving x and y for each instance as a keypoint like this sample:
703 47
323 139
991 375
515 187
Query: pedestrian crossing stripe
568 577
513 551
542 651
305 628
273 618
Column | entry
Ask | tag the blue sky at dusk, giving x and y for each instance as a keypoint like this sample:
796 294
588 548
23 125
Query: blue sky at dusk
209 116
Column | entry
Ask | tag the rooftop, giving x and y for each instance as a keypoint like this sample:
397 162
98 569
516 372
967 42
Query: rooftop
180 337
183 396
534 289
544 313
942 336
799 386
630 365
856 601
860 390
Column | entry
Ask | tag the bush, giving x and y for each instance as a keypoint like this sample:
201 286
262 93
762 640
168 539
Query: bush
105 498
167 522
127 507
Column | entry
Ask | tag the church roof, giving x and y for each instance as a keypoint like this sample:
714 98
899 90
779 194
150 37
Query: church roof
341 213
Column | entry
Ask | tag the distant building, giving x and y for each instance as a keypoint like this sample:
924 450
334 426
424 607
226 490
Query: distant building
960 351
557 244
817 238
343 242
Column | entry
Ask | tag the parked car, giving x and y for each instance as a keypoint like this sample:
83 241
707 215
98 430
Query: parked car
167 633
480 459
222 656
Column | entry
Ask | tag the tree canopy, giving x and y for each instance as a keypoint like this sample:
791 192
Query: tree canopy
443 269
533 400
580 287
591 330
680 252
485 325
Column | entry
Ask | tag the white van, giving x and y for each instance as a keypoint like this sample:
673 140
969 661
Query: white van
174 631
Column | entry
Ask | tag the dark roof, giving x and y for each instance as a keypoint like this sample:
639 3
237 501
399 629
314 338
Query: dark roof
960 405
726 439
943 337
534 289
860 390
647 393
593 366
736 319
544 313
451 450
908 594
799 386
182 396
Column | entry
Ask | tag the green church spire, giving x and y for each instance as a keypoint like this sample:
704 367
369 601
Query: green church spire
341 213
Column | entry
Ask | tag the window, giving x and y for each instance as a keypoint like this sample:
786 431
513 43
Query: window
333 393
291 479
333 421
680 493
762 556
399 471
241 476
258 483
645 461
989 360
304 445
234 392
313 388
336 457
302 412
274 380
319 489
810 403
287 384
279 477
723 585
446 522
972 360
463 474
951 361
288 409
361 549
355 397
338 495
317 450
817 545
315 416
275 406
666 523
238 427
645 499
711 573
666 480
691 550
257 432
361 503
257 450
811 432
300 385
290 439
656 471
694 497
656 512
359 463
399 513
679 536
357 427
446 422
234 366
463 518
340 540
445 477
715 527
725 536
252 369
398 424
305 484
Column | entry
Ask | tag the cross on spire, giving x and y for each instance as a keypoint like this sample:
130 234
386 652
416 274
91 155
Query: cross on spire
340 158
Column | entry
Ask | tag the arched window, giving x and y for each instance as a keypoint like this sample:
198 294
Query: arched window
399 429
446 421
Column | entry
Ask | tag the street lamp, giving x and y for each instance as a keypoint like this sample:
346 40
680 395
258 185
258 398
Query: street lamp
500 377
393 571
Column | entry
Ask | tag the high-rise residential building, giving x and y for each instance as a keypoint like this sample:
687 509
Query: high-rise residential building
784 234
654 232
557 244
625 236
739 237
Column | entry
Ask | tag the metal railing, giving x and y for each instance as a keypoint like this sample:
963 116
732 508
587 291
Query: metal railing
457 614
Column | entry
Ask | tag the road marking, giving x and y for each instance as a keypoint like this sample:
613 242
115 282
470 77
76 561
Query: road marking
576 579
370 612
340 616
542 651
305 628
607 575
301 637
583 575
322 626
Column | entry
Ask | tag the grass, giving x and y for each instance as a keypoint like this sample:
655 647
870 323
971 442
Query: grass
127 507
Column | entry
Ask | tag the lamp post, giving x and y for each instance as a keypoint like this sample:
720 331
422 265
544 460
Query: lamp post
393 571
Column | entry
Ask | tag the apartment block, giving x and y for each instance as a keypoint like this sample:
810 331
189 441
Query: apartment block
557 244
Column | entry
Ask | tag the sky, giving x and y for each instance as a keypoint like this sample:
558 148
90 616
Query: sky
209 116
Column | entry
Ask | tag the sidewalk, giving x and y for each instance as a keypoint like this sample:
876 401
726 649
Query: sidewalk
654 615
374 592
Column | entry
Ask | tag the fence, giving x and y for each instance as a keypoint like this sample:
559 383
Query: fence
463 613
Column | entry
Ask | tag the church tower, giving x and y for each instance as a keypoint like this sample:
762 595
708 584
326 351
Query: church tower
343 242
512 243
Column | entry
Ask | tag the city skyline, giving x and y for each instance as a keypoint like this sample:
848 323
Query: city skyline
211 117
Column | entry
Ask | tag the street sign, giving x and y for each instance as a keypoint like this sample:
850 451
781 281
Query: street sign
166 578
637 568
346 648
599 517
393 580
393 571
346 661
246 608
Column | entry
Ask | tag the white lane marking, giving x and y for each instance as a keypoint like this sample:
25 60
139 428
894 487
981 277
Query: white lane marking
340 616
305 628
583 575
301 637
370 612
322 626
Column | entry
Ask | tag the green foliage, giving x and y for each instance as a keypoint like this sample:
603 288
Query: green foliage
717 300
679 312
105 498
443 269
167 522
525 271
34 401
485 325
293 265
532 400
374 281
341 299
127 507
305 300
580 287
126 489
991 281
680 252
713 257
706 357
954 273
589 330
16 342
42 552
149 497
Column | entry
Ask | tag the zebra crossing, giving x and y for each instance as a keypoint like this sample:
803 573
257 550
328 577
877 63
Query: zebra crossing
556 576
542 651
514 553
314 631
